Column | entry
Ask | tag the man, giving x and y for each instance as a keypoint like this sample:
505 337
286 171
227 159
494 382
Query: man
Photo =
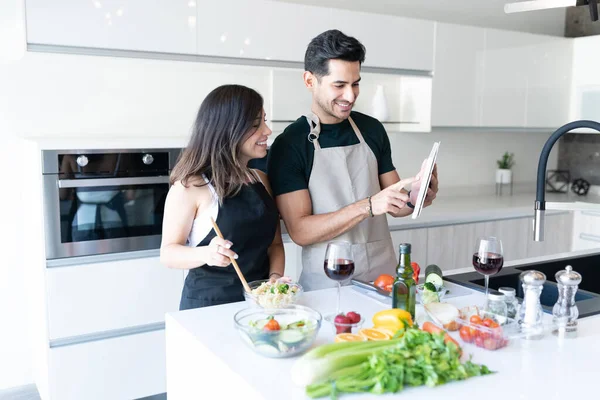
332 173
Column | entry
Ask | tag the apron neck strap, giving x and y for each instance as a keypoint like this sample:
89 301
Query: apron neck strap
356 130
314 130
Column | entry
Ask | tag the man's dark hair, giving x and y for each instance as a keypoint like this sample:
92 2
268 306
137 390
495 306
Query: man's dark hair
331 45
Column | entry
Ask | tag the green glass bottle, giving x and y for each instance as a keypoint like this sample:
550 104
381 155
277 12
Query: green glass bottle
404 295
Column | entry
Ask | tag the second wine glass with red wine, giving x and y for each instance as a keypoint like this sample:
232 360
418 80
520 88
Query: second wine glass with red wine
339 264
488 258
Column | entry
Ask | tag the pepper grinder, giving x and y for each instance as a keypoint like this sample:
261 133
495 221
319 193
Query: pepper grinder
530 313
565 312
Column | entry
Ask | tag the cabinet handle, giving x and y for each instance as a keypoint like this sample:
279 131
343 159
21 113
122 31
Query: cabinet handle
590 213
589 237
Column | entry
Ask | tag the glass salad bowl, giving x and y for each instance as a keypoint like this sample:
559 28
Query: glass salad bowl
267 294
278 333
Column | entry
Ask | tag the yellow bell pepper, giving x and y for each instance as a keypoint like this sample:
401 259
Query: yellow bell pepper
392 320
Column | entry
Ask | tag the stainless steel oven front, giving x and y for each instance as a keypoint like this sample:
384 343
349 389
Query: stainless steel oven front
104 201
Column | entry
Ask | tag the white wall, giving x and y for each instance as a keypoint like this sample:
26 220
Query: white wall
469 158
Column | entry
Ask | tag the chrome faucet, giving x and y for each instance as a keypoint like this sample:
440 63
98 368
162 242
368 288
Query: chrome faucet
540 198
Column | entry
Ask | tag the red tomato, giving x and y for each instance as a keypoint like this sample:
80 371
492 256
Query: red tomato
494 325
490 344
416 271
488 322
465 334
473 332
479 341
384 282
475 319
272 325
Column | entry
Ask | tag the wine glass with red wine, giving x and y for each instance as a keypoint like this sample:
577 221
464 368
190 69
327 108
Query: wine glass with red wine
488 258
339 264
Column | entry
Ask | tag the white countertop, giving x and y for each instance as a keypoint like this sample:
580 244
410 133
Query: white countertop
207 359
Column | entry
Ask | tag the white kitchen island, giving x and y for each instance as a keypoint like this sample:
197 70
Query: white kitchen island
206 359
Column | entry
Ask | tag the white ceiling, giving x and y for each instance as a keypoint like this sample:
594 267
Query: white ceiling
488 13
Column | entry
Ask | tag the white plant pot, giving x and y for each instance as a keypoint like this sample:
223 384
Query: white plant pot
380 107
503 176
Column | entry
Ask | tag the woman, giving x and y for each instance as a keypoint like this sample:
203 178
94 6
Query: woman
212 179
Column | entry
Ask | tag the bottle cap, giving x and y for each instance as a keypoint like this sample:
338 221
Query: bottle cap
405 248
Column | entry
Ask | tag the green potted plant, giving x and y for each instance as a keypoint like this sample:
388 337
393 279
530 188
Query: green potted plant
504 173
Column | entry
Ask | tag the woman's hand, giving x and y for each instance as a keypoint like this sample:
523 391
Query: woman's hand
219 252
276 278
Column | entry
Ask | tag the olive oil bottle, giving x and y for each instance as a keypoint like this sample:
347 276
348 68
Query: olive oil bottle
404 294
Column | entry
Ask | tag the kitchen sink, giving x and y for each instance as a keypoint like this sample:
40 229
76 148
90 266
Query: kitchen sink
588 294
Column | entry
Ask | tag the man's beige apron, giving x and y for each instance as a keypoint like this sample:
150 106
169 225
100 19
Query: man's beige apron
341 176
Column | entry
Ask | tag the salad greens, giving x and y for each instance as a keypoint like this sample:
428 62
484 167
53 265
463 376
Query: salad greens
418 358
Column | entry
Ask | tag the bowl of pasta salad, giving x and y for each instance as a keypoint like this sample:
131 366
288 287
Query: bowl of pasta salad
269 294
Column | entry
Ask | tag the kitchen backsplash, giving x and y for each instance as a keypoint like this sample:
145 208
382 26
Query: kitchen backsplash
580 155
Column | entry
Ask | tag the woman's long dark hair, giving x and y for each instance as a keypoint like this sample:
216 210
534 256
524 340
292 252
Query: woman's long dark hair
227 116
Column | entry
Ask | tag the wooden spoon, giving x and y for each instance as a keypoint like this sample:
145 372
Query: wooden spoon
235 265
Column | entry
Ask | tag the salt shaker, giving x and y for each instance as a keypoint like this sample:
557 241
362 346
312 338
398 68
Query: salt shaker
565 312
530 313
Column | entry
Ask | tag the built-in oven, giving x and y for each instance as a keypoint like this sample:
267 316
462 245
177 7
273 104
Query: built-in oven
104 201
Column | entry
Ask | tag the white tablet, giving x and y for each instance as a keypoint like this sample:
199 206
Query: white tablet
425 180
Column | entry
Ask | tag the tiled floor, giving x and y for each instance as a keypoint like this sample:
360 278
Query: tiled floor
30 393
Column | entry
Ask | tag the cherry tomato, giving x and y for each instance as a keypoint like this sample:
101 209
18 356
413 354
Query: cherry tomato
490 344
465 334
473 332
488 322
475 319
479 341
272 325
494 325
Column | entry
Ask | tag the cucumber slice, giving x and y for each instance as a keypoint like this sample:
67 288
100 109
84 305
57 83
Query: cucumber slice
434 274
296 325
284 348
266 349
291 337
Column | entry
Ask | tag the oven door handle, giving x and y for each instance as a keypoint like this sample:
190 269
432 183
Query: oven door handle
99 182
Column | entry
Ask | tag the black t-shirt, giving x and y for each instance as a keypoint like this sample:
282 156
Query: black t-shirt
291 156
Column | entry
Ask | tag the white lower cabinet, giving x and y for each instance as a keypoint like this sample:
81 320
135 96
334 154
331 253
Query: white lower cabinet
557 236
85 299
586 230
127 367
418 241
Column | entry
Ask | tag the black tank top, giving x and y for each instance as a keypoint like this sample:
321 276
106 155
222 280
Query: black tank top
249 220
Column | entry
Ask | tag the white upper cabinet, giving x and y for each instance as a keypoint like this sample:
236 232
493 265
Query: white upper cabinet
494 78
258 29
160 26
246 29
458 76
506 64
262 29
585 101
390 41
526 80
549 82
